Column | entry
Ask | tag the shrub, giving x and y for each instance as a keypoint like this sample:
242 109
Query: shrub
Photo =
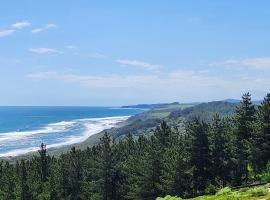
265 176
210 189
258 191
168 197
224 191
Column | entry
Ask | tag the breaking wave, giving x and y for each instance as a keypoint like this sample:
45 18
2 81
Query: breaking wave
55 134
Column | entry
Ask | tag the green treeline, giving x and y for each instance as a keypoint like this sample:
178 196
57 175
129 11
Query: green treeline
198 159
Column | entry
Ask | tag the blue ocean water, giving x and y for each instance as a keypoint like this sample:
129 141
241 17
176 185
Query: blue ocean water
23 129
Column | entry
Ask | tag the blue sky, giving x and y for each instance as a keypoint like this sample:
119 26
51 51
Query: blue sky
87 52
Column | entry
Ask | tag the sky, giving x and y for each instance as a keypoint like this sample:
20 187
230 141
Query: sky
111 53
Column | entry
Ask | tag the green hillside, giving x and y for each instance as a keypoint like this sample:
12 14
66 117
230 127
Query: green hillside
205 110
174 114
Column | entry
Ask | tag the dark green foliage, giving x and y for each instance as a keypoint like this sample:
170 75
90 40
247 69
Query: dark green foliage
245 116
221 150
108 169
261 136
43 163
25 190
200 159
178 160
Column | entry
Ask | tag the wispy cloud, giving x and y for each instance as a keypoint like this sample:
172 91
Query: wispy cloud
46 27
21 24
182 84
43 50
18 25
257 63
5 33
141 64
90 81
73 47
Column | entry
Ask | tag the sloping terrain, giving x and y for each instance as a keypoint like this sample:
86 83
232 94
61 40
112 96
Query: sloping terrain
173 114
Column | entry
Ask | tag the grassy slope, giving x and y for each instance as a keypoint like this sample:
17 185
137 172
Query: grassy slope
258 193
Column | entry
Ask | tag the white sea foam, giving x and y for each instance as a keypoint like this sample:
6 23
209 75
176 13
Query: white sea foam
91 129
92 126
50 128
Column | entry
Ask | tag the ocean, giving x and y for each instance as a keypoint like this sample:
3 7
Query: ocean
23 129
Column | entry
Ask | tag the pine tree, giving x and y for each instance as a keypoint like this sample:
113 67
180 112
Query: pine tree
264 113
25 191
43 163
148 171
261 137
182 173
167 149
76 175
163 135
200 155
221 150
245 116
161 156
8 184
108 188
92 187
53 189
138 170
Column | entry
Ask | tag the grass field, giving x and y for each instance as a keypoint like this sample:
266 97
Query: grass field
253 193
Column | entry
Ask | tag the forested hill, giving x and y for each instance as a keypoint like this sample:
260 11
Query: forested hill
206 111
173 114
150 106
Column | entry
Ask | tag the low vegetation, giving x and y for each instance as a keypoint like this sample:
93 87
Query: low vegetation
254 193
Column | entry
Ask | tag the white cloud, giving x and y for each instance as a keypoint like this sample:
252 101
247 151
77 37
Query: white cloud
257 63
37 30
17 25
43 50
142 64
182 84
71 47
4 33
21 24
47 26
51 26
90 81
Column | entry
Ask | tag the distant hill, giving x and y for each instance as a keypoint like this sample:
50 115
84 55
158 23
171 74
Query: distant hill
149 106
256 102
232 100
173 114
206 111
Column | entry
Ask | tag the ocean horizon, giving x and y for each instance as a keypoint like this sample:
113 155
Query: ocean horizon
24 128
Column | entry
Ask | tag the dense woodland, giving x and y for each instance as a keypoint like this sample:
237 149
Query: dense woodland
202 157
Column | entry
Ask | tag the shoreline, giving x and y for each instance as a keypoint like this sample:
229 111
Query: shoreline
104 123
